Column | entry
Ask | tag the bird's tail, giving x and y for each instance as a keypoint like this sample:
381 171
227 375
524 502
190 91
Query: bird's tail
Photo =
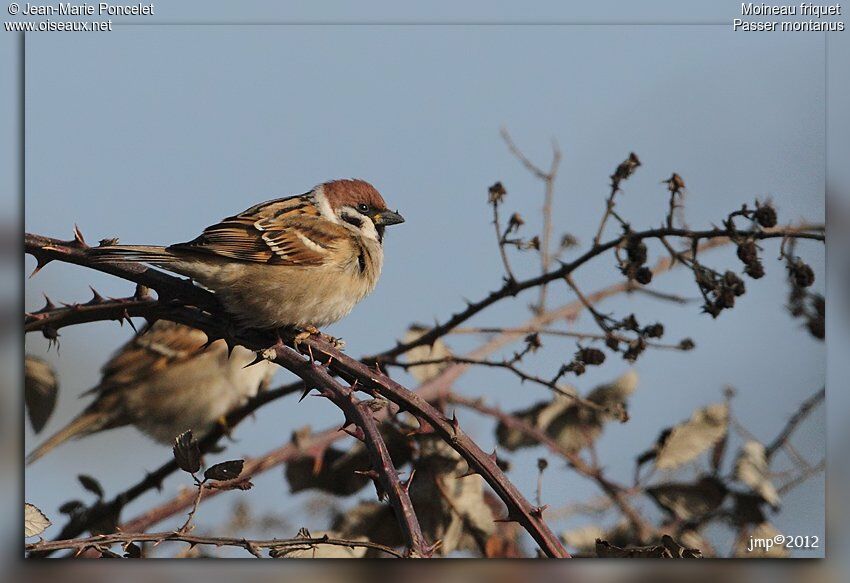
85 424
145 253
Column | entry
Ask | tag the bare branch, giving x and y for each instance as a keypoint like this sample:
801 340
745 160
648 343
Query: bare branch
252 546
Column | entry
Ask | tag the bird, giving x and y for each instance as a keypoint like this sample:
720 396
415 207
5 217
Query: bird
298 262
167 380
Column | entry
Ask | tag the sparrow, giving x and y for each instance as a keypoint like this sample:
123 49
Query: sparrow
302 262
164 381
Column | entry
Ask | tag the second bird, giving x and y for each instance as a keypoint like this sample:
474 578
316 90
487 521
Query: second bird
164 381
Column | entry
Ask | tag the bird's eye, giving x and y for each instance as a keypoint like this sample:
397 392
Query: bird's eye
363 208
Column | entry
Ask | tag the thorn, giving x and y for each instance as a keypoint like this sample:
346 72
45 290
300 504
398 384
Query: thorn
537 511
371 474
305 393
78 237
406 485
493 457
429 550
126 316
508 518
40 262
96 297
258 358
356 433
454 423
48 305
424 426
345 423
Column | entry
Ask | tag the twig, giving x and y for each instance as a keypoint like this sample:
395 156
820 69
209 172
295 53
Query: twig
186 525
522 375
251 546
549 332
802 412
500 240
548 178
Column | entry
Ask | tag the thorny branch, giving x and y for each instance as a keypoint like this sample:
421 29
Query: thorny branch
180 301
319 441
103 541
358 413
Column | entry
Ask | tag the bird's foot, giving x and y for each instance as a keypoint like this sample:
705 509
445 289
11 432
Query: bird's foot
308 331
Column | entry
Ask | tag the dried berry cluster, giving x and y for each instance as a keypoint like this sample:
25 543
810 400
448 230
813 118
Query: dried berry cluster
748 254
583 358
718 290
802 302
634 267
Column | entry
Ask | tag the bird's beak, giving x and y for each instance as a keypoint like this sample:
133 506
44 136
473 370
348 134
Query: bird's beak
387 217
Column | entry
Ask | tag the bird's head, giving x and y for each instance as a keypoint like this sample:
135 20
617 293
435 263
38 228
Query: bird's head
359 205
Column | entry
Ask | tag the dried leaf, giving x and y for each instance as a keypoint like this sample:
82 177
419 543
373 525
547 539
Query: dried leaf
748 509
91 484
41 385
687 440
35 522
438 351
187 453
616 392
752 469
228 470
451 508
689 501
335 472
572 426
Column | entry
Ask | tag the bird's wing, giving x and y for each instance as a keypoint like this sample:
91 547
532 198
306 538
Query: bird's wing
287 231
157 347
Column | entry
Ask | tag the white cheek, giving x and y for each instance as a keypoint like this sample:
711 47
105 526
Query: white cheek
369 231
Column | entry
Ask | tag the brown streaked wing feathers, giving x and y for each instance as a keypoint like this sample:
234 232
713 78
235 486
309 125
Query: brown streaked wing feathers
282 231
156 347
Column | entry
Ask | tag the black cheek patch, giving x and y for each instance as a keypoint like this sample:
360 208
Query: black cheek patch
353 221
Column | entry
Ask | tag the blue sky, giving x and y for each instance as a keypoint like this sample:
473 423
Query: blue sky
151 133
